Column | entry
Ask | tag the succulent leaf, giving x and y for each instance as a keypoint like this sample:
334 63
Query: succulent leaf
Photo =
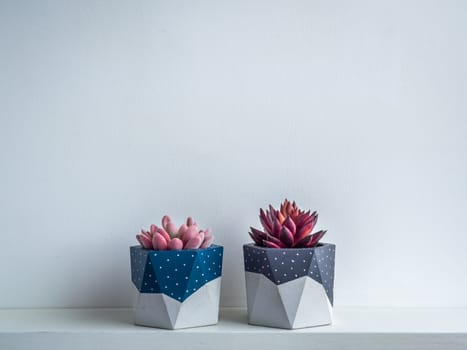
165 220
163 233
207 241
175 244
290 225
159 242
194 243
265 221
269 244
189 221
144 241
286 236
171 229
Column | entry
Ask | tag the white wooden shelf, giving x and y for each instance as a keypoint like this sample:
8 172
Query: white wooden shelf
353 328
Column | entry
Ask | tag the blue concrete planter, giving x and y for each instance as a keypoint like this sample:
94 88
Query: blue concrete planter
176 288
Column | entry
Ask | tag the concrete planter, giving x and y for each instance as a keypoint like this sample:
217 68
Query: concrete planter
291 287
176 288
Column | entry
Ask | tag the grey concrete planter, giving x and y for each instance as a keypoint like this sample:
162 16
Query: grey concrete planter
290 287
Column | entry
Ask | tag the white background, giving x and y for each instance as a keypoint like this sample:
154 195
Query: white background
114 113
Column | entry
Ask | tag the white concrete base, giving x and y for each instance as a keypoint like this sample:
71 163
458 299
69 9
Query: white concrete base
161 311
296 304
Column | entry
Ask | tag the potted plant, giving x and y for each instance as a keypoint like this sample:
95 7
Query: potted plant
289 274
177 275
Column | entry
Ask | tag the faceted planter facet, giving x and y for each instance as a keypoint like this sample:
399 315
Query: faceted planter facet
290 287
176 288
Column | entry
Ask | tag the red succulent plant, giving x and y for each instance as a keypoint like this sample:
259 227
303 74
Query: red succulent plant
289 227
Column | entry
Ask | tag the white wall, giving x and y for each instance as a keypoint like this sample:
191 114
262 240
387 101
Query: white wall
114 113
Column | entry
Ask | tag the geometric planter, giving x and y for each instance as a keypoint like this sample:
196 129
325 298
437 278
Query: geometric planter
289 287
176 288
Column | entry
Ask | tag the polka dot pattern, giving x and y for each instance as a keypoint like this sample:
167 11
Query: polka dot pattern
284 265
177 274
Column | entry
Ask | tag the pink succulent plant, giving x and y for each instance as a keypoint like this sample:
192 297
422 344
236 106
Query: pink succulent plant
289 227
171 237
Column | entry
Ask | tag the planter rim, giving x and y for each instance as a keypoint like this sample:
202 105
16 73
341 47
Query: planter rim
319 245
212 246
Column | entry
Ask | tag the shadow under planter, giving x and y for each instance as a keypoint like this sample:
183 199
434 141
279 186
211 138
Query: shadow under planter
289 287
176 288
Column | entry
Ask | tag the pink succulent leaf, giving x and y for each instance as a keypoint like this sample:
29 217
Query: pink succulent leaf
286 236
207 233
270 244
189 234
290 225
201 234
189 221
207 242
194 242
163 233
182 230
159 242
147 235
165 220
175 244
153 229
171 229
144 241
